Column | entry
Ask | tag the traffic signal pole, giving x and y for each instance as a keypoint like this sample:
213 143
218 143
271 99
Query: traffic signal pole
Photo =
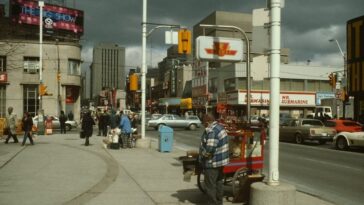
41 5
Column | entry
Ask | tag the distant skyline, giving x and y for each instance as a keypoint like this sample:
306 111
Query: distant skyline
307 25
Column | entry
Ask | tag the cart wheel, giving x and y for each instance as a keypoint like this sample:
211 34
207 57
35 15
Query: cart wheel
200 182
239 178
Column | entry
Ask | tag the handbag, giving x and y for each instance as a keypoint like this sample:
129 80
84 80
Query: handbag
82 135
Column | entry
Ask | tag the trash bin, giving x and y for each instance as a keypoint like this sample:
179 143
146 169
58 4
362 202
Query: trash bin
165 140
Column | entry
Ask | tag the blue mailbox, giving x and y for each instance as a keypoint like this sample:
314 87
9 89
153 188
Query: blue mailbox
165 140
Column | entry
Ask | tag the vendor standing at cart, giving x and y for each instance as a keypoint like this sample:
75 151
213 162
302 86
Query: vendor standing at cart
213 156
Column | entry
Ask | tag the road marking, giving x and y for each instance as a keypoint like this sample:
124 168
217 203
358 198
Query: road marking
332 164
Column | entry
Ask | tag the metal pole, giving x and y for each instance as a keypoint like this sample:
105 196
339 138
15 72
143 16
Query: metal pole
41 5
207 87
144 65
58 79
247 59
275 59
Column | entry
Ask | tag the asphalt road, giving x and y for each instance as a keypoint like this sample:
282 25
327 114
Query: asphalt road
319 170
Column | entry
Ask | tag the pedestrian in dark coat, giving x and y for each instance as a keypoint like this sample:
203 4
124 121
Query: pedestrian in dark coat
62 122
27 128
105 122
87 127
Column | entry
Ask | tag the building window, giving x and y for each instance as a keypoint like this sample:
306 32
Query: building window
30 99
2 63
31 65
74 67
2 101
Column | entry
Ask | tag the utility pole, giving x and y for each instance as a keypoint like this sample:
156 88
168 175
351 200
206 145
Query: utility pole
41 5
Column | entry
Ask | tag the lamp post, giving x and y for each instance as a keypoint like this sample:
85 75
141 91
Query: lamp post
345 73
41 5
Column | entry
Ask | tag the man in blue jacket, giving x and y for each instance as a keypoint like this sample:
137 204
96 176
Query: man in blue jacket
125 127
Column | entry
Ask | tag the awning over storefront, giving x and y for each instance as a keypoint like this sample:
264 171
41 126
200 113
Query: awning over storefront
186 103
169 101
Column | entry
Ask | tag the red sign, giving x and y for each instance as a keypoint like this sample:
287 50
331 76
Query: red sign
3 77
221 49
210 48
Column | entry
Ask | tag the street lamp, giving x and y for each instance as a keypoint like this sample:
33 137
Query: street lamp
345 73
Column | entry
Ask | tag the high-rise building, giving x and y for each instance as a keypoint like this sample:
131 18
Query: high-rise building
107 68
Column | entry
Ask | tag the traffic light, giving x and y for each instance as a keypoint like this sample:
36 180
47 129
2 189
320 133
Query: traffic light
184 41
133 82
332 80
42 90
58 77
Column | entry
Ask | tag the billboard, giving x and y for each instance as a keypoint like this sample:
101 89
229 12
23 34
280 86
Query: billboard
54 17
355 55
219 49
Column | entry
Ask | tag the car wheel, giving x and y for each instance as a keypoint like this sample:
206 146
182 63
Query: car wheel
341 143
299 139
192 126
68 127
322 142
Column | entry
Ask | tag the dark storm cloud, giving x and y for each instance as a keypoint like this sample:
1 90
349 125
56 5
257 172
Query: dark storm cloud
306 25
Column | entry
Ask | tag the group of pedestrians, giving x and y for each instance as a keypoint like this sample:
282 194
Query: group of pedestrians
27 125
109 120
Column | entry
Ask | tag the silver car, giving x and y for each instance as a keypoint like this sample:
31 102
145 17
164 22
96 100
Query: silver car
191 122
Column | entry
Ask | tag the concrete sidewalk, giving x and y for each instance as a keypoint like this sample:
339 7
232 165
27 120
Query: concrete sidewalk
138 176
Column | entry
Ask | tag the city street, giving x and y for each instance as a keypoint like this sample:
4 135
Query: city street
319 170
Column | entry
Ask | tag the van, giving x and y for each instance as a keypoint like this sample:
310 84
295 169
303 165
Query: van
325 110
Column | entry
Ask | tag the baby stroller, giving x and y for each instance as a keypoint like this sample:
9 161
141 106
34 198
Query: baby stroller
113 138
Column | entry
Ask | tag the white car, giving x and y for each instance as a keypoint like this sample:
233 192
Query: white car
345 140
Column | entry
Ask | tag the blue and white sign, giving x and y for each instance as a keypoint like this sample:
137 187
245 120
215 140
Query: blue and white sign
326 95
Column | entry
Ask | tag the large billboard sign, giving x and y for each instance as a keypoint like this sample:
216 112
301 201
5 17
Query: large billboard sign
219 49
355 55
54 17
263 99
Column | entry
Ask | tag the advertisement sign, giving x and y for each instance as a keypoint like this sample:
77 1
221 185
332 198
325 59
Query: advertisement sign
54 17
320 96
263 99
219 49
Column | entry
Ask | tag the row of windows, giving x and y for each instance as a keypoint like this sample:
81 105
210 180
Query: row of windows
30 100
31 65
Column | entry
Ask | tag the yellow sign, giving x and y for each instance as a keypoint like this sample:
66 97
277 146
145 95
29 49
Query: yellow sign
186 103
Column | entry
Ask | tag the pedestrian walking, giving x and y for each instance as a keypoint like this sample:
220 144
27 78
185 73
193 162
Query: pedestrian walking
62 122
11 126
87 127
27 128
125 126
70 116
213 156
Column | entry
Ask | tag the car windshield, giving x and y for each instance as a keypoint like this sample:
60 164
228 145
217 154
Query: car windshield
176 117
312 123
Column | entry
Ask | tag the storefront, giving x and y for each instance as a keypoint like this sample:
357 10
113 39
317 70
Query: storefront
294 103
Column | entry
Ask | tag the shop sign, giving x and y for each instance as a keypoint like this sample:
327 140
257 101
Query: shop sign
3 77
263 99
186 103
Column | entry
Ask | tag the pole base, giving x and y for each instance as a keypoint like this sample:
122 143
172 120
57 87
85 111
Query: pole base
282 194
143 143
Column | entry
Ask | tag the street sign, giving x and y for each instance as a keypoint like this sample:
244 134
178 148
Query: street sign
219 49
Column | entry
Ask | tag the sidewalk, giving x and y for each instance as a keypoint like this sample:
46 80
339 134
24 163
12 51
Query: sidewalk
143 176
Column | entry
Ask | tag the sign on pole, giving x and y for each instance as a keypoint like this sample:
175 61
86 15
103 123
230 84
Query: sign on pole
171 37
219 49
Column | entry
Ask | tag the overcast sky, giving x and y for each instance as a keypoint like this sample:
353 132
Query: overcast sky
307 25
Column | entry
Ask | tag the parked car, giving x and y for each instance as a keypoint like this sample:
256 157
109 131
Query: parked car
175 121
149 116
344 125
345 140
300 130
55 123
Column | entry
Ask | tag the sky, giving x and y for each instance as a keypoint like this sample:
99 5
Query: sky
307 25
